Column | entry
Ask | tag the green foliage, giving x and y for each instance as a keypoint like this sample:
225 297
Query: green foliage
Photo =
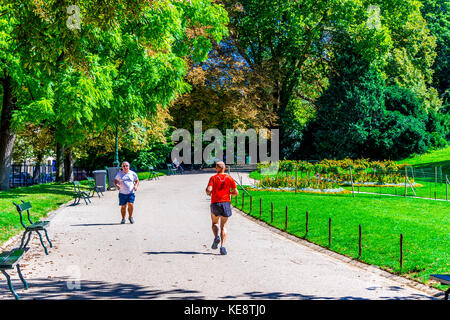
436 13
350 110
154 156
359 117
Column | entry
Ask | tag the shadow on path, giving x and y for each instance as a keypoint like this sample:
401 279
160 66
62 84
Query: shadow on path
183 252
61 288
95 224
283 295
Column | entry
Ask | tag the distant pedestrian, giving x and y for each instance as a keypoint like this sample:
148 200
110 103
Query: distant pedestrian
220 187
127 183
177 165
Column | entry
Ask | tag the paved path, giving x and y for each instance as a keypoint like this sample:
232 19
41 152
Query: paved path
166 254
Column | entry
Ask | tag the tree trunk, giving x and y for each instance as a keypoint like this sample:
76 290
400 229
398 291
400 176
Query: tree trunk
7 136
68 165
59 162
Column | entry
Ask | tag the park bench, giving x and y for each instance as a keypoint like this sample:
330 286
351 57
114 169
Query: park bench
443 279
32 227
152 173
93 187
171 169
78 193
9 260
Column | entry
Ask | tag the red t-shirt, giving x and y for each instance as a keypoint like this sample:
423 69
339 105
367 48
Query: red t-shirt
221 185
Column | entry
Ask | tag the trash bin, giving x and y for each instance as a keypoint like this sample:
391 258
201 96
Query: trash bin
100 179
112 172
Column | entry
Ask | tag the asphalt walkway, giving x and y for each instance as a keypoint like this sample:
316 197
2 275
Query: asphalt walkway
167 254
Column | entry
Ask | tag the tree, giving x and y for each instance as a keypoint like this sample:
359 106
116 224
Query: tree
351 110
160 39
294 43
436 14
225 94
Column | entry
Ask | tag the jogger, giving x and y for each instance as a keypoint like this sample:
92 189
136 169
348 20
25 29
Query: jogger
126 182
220 187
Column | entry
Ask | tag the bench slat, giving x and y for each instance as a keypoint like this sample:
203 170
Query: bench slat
442 278
25 206
10 258
39 225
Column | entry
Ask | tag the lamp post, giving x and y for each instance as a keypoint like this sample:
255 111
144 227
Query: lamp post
116 162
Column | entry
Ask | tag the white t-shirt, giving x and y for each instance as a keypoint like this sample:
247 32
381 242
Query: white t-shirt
126 181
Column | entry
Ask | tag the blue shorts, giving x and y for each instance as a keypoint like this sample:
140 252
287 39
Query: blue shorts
221 209
126 198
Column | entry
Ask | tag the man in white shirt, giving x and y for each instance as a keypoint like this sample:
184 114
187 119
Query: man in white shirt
126 182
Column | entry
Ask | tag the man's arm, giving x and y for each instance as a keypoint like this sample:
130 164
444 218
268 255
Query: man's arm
209 188
136 184
234 192
116 183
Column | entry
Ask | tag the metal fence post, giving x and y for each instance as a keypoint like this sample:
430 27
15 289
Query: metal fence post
401 252
329 232
286 220
446 187
260 207
359 243
406 177
271 212
351 179
307 218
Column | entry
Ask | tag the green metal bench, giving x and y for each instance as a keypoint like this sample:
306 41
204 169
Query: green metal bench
93 187
152 174
443 279
9 260
171 169
32 227
79 194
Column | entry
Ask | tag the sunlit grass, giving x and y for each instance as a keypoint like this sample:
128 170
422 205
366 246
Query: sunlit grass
423 223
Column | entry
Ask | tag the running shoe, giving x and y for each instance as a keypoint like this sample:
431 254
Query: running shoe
131 220
123 221
215 243
223 251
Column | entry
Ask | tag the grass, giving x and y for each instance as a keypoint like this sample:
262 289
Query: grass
44 198
423 223
434 158
144 175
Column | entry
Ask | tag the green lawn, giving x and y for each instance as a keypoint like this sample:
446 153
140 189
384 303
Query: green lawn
438 158
423 223
144 175
44 198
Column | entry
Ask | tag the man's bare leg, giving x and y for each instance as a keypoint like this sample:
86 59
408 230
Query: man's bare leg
130 209
223 230
215 224
123 211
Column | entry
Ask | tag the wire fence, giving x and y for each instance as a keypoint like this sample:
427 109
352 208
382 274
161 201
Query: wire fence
23 175
426 182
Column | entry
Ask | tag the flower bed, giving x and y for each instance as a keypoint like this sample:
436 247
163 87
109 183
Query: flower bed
337 172
307 190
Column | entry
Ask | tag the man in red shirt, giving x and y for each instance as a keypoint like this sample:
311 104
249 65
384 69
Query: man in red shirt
220 187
